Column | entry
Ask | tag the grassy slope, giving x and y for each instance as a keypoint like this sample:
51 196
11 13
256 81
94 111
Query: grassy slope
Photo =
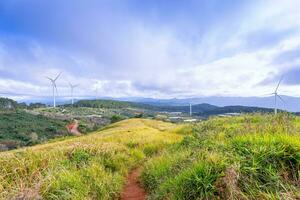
88 167
247 157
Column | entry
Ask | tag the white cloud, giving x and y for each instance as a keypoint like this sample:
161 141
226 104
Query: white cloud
137 58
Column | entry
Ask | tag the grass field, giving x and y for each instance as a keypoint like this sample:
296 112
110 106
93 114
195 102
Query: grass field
246 157
88 167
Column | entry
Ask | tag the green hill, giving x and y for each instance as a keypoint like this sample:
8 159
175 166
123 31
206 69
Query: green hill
246 157
204 109
7 104
20 128
88 167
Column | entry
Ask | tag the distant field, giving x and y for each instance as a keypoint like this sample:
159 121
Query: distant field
88 167
246 157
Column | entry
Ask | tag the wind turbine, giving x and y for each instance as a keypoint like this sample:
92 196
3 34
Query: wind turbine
72 90
277 95
54 88
191 110
96 90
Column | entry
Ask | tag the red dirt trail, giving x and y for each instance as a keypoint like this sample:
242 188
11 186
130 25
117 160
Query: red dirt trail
133 189
73 128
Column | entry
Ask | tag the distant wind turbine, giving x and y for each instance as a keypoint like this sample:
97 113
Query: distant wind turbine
54 88
72 90
97 90
191 109
277 95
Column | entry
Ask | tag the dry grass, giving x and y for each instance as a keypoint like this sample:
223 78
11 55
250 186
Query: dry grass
87 167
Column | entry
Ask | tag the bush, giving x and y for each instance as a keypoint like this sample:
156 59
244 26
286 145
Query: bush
116 118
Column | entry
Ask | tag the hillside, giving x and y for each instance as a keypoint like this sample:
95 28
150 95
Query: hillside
7 104
246 157
19 128
88 167
204 109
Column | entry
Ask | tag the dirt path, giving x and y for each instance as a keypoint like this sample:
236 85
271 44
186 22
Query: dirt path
133 189
73 128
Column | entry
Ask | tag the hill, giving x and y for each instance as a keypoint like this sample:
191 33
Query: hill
198 109
19 128
292 103
103 103
245 157
206 110
88 167
7 104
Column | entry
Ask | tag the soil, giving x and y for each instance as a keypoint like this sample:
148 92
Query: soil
133 189
73 128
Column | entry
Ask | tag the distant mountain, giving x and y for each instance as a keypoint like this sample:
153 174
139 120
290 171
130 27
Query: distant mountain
207 109
199 109
291 103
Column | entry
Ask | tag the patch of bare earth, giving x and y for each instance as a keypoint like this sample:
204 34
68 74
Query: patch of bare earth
133 189
73 128
29 194
228 187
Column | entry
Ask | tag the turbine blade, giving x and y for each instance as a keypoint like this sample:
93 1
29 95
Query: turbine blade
279 84
54 85
49 78
57 76
269 94
281 98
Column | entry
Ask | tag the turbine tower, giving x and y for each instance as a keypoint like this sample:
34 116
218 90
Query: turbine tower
191 109
72 90
277 95
54 88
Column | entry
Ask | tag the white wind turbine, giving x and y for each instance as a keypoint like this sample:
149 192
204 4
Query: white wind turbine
72 90
277 95
54 88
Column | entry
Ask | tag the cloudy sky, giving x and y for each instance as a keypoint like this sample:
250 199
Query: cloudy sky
150 48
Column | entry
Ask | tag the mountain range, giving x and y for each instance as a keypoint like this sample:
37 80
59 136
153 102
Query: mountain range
291 104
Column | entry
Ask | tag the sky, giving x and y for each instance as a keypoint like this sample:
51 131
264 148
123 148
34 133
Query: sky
150 48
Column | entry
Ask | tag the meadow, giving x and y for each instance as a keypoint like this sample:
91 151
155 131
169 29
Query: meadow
93 166
246 157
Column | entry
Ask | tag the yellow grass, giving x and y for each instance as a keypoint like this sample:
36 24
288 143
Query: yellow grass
97 162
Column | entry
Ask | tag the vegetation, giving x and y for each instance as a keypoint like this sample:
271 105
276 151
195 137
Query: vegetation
104 104
203 110
247 157
7 104
22 129
87 167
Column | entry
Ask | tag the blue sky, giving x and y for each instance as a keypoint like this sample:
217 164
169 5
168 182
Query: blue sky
150 48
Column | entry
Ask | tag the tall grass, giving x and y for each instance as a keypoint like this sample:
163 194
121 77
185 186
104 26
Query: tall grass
88 167
246 157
